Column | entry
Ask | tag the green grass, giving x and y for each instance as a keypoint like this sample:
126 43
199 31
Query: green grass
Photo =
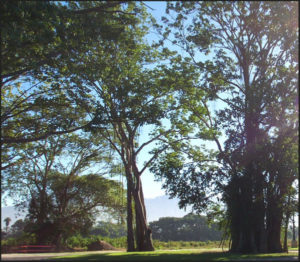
167 255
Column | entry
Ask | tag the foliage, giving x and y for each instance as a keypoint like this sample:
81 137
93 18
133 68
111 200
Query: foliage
86 193
17 229
189 228
78 241
64 194
41 40
23 239
110 230
82 242
36 34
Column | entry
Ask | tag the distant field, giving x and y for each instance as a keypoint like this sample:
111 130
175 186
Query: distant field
213 254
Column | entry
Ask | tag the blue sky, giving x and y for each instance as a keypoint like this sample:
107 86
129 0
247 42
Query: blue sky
151 188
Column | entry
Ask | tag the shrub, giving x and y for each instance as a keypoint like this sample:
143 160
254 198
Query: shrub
121 242
24 239
82 242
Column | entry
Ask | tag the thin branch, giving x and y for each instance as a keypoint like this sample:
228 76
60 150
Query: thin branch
152 158
148 6
150 141
112 143
214 136
100 8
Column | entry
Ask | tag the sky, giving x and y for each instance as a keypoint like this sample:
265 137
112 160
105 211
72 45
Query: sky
152 188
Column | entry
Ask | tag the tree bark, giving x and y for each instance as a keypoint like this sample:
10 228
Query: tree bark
143 233
259 213
144 240
58 242
274 218
294 241
130 236
287 218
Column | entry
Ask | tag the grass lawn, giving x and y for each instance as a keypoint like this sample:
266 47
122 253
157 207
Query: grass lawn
214 254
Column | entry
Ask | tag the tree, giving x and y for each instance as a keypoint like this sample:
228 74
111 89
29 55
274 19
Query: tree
108 229
188 228
63 197
71 212
128 98
7 222
18 227
128 94
290 207
254 73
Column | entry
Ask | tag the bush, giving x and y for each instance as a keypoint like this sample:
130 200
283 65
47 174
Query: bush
184 244
121 242
82 242
9 242
24 239
78 241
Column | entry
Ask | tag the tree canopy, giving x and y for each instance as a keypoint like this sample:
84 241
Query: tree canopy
58 187
40 42
188 228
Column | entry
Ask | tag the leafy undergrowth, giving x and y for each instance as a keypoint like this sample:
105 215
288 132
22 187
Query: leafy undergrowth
179 255
81 243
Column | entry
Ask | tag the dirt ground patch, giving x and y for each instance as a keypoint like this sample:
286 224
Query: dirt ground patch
44 256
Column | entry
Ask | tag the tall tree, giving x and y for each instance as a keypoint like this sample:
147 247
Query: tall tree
129 94
254 73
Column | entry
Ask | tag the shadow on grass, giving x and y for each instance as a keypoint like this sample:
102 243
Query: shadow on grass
176 256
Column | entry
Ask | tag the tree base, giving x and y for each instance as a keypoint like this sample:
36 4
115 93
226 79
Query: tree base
294 243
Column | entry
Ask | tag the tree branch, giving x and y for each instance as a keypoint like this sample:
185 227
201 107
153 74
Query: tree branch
20 140
152 158
150 141
102 8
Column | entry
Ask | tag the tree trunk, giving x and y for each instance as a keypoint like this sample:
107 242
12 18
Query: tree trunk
241 209
259 214
58 242
144 236
294 241
274 218
285 245
130 236
286 226
143 233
